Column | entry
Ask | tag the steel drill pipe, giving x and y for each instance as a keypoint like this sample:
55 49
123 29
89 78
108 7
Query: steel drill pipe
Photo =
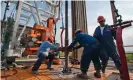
66 69
66 34
79 21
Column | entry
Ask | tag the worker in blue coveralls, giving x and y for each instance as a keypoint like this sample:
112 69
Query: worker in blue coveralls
90 52
46 50
108 49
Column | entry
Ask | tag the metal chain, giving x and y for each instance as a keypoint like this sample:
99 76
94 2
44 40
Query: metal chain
117 15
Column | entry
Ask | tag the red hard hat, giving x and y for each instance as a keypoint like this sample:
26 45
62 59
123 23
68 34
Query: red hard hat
50 39
100 18
78 31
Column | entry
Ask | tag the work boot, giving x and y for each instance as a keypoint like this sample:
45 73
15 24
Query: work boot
103 69
50 69
83 76
34 72
97 74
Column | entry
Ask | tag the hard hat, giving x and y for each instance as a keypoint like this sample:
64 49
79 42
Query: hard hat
78 31
100 18
50 39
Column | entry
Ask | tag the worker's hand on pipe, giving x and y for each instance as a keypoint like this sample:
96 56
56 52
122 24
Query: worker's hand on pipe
69 49
74 48
50 51
63 49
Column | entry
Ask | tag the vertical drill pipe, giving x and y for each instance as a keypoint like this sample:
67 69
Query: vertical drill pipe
78 22
85 16
73 23
66 33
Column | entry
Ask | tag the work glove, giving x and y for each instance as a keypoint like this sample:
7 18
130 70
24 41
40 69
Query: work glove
63 49
69 49
74 48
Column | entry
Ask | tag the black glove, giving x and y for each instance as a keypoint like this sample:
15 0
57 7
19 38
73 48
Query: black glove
74 48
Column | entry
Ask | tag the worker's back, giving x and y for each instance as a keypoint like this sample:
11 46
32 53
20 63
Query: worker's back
45 46
86 40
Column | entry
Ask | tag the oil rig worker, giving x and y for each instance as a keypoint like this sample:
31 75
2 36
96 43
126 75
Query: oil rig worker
108 49
90 52
46 50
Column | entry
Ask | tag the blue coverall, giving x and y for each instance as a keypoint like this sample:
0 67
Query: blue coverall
90 52
41 56
107 45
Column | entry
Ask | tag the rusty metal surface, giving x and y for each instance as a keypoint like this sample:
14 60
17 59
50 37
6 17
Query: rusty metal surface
25 74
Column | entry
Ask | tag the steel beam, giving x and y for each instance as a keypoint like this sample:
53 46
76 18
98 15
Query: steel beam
38 12
52 4
15 27
31 11
28 19
33 14
38 8
28 4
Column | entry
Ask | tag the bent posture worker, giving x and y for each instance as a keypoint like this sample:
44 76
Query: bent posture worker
46 50
90 52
